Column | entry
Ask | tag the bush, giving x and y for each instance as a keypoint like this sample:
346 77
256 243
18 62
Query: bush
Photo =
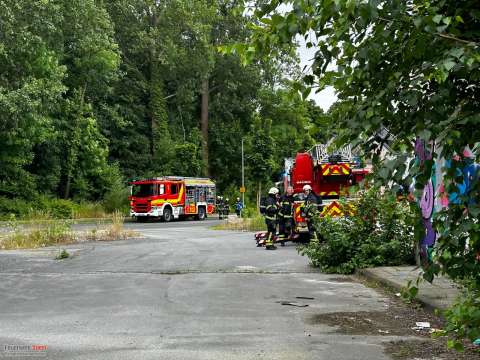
16 207
463 318
116 195
56 208
116 199
47 208
380 233
89 210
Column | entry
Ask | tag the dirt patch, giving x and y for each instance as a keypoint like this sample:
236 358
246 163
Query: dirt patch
434 350
398 319
372 323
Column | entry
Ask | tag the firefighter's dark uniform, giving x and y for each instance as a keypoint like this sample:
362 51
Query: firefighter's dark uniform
285 218
312 205
220 208
271 210
226 208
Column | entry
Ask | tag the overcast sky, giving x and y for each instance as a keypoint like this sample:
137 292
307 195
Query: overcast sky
325 98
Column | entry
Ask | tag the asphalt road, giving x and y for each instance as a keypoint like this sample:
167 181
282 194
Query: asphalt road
182 291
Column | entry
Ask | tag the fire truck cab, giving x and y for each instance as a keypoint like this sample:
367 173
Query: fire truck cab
172 197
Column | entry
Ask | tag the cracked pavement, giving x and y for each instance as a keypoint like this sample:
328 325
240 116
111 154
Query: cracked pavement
182 291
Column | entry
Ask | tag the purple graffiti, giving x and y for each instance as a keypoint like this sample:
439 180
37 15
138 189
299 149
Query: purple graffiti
430 235
427 200
422 152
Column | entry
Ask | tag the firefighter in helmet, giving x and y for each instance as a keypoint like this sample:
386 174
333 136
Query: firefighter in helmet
271 210
238 207
226 207
220 207
285 216
312 206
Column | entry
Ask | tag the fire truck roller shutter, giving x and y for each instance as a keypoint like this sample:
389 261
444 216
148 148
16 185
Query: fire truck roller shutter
201 201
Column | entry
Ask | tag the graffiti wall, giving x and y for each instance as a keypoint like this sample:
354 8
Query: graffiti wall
435 197
424 152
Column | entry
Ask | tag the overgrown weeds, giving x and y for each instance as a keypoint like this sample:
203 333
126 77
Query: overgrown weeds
114 231
62 255
59 232
47 234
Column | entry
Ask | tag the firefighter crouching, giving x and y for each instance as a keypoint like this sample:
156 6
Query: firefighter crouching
285 216
271 210
312 206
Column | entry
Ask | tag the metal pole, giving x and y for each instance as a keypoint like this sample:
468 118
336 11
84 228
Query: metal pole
243 182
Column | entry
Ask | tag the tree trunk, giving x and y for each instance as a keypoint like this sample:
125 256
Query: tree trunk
259 195
72 151
152 72
204 127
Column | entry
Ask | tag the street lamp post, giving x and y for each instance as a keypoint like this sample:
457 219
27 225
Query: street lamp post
243 183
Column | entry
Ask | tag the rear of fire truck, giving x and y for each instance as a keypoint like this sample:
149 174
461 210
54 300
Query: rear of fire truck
330 174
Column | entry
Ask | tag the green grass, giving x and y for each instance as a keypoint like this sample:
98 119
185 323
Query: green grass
256 223
62 255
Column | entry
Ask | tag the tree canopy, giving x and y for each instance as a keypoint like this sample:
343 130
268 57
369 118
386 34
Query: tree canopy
96 93
409 69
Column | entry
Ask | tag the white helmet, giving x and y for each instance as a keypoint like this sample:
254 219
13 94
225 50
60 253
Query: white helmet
273 191
307 187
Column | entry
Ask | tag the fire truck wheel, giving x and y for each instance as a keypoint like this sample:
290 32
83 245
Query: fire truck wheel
167 215
201 214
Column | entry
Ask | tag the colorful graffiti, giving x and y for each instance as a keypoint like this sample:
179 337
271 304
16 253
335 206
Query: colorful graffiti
435 197
424 152
469 173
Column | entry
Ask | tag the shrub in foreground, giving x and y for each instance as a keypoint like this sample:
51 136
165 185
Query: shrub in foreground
380 233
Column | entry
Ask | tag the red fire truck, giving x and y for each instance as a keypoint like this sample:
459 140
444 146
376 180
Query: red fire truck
172 197
329 174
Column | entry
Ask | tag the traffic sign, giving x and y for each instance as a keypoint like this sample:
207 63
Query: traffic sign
242 189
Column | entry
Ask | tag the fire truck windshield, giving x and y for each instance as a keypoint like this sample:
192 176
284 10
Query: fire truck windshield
142 190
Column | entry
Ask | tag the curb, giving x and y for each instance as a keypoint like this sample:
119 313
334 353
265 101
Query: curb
426 302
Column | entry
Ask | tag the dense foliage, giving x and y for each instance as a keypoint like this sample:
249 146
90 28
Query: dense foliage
379 233
411 68
95 93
